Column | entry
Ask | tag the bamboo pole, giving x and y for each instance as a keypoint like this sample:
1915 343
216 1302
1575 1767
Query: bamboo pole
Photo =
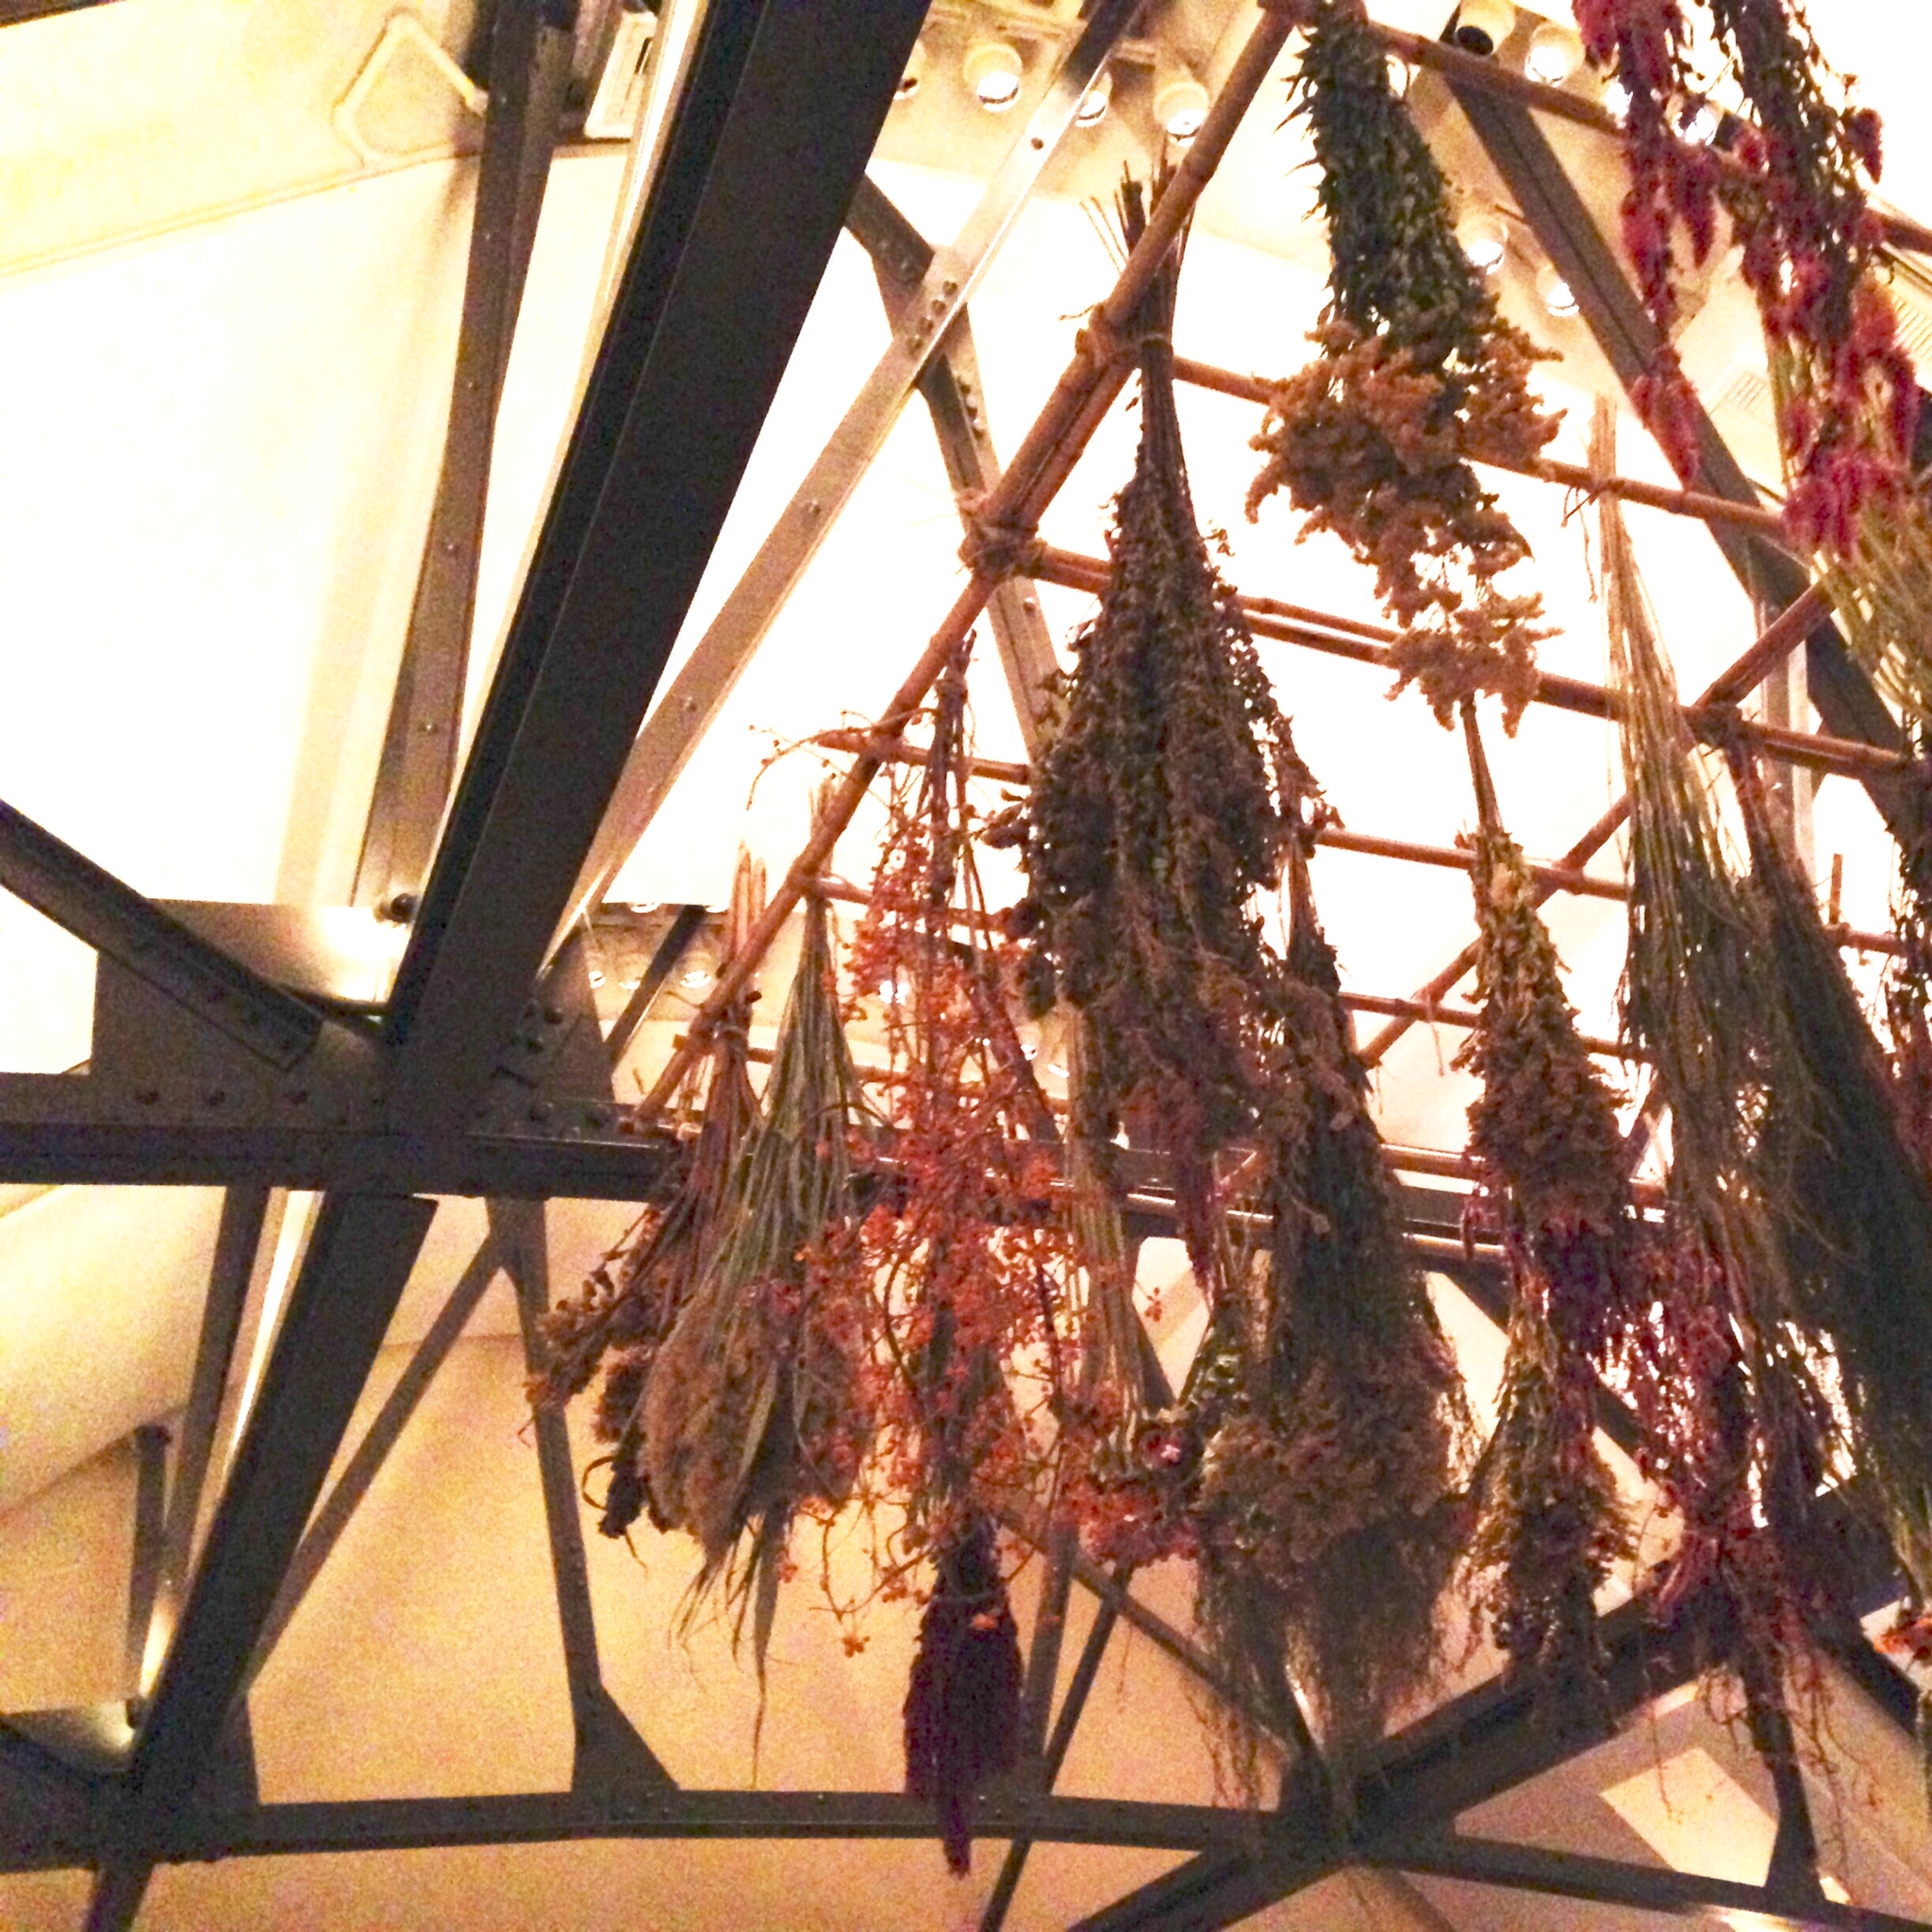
1732 684
1683 502
1011 509
1366 644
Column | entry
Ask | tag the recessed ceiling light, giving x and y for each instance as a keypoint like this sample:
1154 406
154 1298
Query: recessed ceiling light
1401 76
1558 297
1483 26
694 978
1617 99
993 71
1484 239
1095 100
1180 102
1554 53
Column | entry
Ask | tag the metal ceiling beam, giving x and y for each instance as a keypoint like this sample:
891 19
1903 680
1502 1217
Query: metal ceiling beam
529 69
325 1530
783 106
954 395
238 1238
608 1753
732 243
551 1817
1641 1888
686 924
145 1563
946 282
360 1256
1846 700
103 912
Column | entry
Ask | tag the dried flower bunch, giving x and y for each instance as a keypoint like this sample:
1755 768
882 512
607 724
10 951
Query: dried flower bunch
634 1297
1859 1240
756 1407
1553 1186
1418 375
1737 1433
1327 1518
968 1275
1157 815
1812 246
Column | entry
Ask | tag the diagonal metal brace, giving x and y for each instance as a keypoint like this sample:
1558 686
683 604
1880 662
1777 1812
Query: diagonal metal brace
111 917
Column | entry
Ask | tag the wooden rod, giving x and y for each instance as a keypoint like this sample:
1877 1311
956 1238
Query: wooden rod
1041 463
1363 643
1683 502
1735 682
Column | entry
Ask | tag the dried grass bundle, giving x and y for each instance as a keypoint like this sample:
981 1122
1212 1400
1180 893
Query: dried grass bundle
632 1299
1327 1494
1738 1432
1859 1240
755 1406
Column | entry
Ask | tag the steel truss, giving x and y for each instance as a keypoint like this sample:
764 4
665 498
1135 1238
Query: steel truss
487 1075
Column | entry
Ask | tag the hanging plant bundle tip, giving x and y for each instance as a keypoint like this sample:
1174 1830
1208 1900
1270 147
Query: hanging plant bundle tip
1417 374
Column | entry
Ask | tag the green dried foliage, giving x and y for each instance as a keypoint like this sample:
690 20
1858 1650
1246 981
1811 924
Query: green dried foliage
1544 1132
1158 813
632 1299
753 1409
1859 1236
1720 1372
1327 1493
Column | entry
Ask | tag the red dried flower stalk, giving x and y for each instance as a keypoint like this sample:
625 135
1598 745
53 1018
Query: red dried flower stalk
1673 185
1848 401
962 1704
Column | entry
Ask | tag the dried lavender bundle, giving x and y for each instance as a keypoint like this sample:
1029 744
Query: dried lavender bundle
754 1408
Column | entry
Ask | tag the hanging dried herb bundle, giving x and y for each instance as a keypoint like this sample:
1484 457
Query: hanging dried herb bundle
963 1706
1859 1244
1156 818
633 1297
1327 1493
1552 1185
1139 1448
1672 184
1908 980
968 1274
1736 1424
1418 375
1848 400
754 1408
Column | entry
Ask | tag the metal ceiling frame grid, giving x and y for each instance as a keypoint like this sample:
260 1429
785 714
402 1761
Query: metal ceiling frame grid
487 1075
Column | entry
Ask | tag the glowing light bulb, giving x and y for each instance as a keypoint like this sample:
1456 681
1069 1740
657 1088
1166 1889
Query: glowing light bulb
1095 100
993 71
